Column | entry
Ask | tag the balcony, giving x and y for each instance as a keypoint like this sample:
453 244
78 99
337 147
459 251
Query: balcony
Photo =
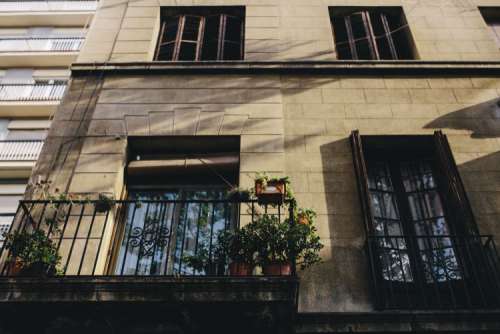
440 272
18 157
46 13
39 51
20 150
135 254
37 99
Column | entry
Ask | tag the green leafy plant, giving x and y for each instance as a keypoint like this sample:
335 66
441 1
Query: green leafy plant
282 242
239 245
262 178
104 203
35 252
239 194
305 216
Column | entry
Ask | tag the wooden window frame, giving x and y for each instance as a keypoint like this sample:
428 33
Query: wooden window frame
221 38
457 212
370 36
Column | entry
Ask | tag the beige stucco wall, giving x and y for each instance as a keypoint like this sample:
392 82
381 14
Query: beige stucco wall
294 29
294 125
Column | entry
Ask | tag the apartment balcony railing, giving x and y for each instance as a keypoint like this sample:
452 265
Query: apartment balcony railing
147 238
435 272
40 44
39 91
20 150
47 5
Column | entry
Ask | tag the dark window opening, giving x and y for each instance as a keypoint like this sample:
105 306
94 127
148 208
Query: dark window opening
201 33
491 16
423 244
371 33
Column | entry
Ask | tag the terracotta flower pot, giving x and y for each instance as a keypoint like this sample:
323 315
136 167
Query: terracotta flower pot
102 206
303 220
259 187
279 185
240 269
14 267
39 269
277 269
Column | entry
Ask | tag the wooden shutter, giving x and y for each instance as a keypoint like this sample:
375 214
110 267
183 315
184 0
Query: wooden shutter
362 180
453 190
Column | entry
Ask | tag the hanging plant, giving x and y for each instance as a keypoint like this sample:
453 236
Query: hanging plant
239 195
104 203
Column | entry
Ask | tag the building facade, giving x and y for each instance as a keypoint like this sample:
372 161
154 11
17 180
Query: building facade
385 115
38 42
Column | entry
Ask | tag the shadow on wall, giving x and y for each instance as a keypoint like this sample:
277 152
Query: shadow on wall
482 119
343 282
340 284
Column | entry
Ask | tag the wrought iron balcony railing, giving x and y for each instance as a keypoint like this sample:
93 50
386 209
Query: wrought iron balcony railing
47 5
40 91
20 150
147 238
434 272
40 44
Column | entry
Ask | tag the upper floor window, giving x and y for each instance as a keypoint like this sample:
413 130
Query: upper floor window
201 33
369 33
492 17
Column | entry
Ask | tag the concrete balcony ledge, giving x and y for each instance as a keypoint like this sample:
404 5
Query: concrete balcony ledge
170 290
38 58
296 67
439 321
28 108
133 305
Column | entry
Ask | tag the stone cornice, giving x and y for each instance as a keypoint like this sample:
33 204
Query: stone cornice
403 68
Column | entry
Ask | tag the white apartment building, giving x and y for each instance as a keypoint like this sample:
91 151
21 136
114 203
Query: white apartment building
38 42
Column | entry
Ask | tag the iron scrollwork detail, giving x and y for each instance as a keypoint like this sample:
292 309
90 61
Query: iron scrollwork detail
153 236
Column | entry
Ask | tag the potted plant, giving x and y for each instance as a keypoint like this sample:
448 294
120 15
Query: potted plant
238 195
260 183
271 190
305 216
201 262
272 245
104 203
33 253
240 247
281 242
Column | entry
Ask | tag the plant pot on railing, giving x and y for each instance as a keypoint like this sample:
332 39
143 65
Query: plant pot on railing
240 269
271 191
104 204
277 269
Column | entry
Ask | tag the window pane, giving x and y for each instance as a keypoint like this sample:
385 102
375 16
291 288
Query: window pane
417 175
166 52
191 28
187 51
342 46
232 51
383 47
361 37
233 29
171 27
211 38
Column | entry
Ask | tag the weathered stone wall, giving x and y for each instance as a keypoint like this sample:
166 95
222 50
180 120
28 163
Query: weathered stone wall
295 125
126 30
